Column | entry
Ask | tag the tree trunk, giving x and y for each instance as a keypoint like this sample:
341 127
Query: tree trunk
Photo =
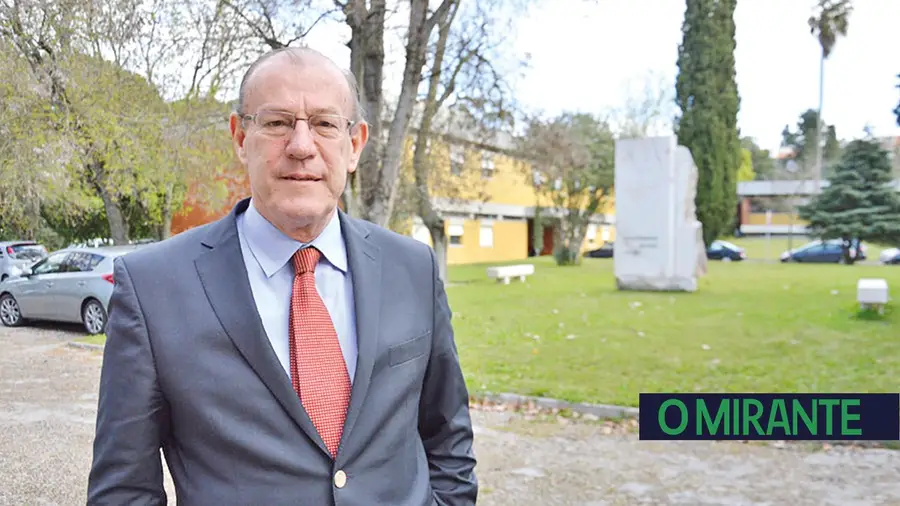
118 227
439 240
572 229
367 63
165 228
381 204
818 143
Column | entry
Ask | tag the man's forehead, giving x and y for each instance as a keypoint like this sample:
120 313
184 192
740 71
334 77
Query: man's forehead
286 68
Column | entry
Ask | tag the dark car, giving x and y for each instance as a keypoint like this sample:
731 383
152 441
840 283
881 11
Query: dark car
605 251
822 252
725 251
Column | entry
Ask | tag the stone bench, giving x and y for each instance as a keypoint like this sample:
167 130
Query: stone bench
872 293
504 272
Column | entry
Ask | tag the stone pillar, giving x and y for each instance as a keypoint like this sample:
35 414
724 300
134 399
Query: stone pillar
659 241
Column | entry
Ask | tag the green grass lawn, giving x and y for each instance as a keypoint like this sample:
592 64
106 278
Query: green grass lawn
751 327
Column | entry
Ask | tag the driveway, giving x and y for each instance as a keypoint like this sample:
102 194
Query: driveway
48 398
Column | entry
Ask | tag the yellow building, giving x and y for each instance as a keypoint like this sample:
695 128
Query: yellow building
488 199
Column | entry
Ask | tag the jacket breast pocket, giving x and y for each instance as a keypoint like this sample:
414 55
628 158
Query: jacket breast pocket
409 350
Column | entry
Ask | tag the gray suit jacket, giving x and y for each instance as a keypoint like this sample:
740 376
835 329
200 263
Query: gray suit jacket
188 368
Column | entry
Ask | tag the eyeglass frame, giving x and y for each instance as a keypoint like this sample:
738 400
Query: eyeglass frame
252 117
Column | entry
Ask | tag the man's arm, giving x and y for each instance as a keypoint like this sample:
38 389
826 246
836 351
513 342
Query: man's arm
131 414
444 422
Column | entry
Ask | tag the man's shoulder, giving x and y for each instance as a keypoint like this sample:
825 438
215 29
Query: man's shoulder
171 251
395 245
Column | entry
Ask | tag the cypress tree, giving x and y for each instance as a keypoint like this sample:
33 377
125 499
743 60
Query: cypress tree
707 95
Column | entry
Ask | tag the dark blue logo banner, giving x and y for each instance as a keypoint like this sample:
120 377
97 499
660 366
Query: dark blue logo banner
770 416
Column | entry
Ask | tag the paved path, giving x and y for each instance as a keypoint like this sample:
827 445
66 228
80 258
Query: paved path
48 399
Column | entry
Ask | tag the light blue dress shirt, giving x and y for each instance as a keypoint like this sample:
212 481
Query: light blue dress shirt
267 253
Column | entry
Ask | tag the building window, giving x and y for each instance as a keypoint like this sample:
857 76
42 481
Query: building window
487 165
455 235
486 235
457 159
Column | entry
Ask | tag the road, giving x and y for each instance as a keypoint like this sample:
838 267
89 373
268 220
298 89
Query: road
48 398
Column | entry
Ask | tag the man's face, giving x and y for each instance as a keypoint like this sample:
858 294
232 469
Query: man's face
297 175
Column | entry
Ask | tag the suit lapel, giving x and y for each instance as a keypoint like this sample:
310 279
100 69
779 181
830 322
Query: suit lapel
364 259
232 300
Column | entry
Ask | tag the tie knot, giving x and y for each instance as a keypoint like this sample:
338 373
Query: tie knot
305 260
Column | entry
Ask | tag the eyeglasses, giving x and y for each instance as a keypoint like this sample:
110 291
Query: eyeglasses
281 124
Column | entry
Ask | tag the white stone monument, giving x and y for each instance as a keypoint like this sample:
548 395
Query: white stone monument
659 241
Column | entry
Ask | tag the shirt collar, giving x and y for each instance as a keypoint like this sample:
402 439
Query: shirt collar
272 248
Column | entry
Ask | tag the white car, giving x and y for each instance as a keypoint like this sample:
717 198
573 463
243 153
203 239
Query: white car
889 255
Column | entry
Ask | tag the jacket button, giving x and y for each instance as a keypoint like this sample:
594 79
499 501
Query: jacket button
340 479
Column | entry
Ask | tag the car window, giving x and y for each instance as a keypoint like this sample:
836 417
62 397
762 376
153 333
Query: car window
27 251
52 264
82 261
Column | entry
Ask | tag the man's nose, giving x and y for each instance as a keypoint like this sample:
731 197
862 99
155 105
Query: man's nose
301 143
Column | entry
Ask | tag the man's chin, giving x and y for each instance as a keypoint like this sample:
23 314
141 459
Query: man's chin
307 210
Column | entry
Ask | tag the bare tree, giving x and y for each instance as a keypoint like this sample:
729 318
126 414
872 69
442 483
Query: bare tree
460 71
372 190
648 109
574 168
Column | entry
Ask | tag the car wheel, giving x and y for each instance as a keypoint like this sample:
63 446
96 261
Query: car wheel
9 311
93 315
726 259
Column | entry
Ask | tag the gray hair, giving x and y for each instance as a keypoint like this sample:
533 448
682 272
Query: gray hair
298 53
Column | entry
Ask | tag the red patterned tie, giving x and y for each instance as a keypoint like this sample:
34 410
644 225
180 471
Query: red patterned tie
318 371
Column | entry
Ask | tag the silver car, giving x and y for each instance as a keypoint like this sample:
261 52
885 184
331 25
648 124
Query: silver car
15 256
69 285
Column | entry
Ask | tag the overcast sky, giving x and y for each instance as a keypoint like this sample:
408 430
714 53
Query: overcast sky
586 53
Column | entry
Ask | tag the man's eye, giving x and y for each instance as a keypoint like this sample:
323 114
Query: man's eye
276 123
324 123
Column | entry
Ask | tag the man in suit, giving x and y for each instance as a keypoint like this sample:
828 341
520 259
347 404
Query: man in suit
286 353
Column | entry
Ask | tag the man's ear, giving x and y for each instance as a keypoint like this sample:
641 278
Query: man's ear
358 138
237 137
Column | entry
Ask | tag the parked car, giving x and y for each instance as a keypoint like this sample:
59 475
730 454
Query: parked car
605 251
725 251
890 256
69 285
830 251
14 255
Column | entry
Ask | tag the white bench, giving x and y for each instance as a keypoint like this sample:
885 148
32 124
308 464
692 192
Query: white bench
504 272
872 293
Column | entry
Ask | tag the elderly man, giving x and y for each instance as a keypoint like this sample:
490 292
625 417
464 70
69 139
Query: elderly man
286 353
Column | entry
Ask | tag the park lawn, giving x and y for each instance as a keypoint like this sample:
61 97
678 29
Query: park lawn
751 327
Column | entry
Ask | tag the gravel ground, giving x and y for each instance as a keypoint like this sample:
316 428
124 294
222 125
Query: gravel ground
48 399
